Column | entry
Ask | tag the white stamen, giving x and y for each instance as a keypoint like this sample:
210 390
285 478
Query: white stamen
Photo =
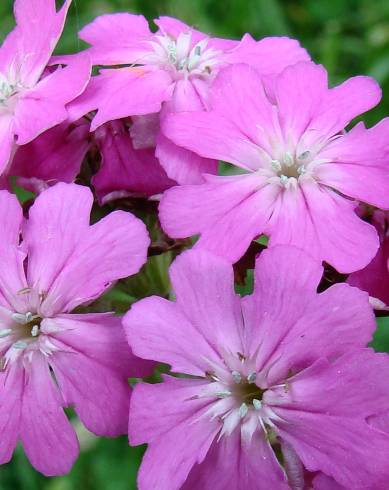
35 331
197 51
276 165
236 376
251 378
223 394
284 179
257 404
304 155
243 409
288 159
301 170
4 332
19 318
29 316
20 344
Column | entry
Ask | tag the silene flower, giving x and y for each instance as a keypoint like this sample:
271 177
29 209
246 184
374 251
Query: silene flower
170 70
298 173
276 389
51 358
33 99
123 171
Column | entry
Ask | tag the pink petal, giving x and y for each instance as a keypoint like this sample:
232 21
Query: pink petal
135 172
184 166
157 329
57 221
148 90
48 438
306 105
358 164
233 463
116 38
113 248
374 278
11 394
360 373
270 55
324 482
204 287
211 135
54 156
346 449
175 432
229 212
322 222
43 106
100 337
38 29
12 277
7 146
294 333
100 395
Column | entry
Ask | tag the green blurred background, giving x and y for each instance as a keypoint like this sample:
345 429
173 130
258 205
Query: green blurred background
349 37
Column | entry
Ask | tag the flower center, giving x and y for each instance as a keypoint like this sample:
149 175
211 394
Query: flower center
6 90
183 57
290 166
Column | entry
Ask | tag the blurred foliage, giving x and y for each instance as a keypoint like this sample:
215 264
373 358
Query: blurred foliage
349 37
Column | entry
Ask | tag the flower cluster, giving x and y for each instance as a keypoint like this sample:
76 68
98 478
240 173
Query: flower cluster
240 151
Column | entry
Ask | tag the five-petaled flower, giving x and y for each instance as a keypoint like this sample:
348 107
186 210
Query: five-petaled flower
299 171
51 358
168 71
284 371
33 99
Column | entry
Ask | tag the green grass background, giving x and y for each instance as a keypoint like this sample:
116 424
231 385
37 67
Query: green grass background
349 37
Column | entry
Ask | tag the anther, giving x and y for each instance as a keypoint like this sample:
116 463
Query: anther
304 155
301 170
35 331
251 378
284 179
197 51
236 376
223 394
20 318
243 409
257 404
276 165
288 159
20 344
4 332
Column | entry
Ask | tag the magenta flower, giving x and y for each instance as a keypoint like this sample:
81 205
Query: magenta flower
54 156
176 67
284 370
51 358
297 167
374 278
57 155
32 100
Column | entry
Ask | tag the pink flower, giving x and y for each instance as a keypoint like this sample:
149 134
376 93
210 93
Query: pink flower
284 370
297 167
31 100
171 71
374 278
51 358
57 155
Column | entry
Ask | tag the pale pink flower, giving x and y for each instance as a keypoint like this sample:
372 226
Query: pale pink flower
298 174
283 371
171 71
32 100
51 358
